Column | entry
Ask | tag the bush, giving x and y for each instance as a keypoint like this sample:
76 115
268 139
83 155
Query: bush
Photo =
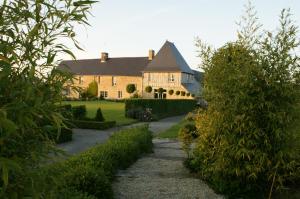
130 88
92 90
244 148
64 135
171 92
177 93
161 90
79 112
159 107
92 171
182 93
66 111
91 124
188 94
148 89
187 134
99 116
193 95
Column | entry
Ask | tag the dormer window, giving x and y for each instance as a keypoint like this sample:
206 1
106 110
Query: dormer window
171 78
114 81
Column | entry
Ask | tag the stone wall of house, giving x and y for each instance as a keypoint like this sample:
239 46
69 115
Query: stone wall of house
168 81
112 87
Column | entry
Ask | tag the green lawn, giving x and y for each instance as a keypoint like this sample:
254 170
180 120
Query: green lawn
173 131
111 110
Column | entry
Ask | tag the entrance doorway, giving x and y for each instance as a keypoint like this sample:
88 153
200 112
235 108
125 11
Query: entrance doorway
160 93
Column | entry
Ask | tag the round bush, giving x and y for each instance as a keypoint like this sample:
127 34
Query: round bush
193 95
130 88
177 93
182 93
188 94
148 89
161 90
171 92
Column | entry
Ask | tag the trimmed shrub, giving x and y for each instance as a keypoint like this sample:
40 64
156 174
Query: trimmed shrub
193 95
182 93
188 94
130 88
171 92
86 124
177 93
64 135
66 111
160 107
161 90
79 112
92 90
99 116
92 171
148 89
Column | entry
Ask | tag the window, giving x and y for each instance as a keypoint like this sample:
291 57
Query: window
119 94
103 94
80 80
114 81
171 78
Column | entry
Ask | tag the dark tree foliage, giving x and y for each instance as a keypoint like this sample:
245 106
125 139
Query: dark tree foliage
148 89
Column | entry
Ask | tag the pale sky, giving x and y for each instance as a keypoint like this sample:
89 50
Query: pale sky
132 27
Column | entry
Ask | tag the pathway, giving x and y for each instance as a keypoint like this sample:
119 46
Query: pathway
161 175
86 138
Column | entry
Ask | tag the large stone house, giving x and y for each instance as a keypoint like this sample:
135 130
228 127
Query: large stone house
165 71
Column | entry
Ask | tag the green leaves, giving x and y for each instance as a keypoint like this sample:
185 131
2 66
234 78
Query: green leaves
31 88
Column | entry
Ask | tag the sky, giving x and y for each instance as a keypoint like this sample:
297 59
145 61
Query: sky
129 28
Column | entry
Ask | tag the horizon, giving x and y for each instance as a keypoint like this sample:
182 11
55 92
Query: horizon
125 29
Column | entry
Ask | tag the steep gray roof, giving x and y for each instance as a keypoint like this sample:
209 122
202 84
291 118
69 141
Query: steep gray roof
168 59
122 66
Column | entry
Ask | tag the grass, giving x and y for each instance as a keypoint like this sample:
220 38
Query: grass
112 111
173 131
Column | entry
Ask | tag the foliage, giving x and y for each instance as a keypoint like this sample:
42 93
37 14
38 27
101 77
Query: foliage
79 112
136 95
252 90
177 93
59 135
31 87
91 124
99 116
144 115
92 171
92 90
193 95
161 90
182 93
148 89
161 107
130 88
171 92
186 135
188 94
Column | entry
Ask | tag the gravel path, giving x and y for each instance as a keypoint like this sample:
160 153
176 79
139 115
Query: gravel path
86 138
161 175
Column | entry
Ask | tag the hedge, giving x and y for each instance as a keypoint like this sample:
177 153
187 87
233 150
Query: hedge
92 171
161 107
85 124
65 134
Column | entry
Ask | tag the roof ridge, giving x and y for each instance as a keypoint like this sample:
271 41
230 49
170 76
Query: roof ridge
100 58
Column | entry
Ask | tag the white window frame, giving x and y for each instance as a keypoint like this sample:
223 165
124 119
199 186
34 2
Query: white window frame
120 94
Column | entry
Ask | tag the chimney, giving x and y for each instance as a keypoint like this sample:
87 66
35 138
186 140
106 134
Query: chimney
104 57
151 54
